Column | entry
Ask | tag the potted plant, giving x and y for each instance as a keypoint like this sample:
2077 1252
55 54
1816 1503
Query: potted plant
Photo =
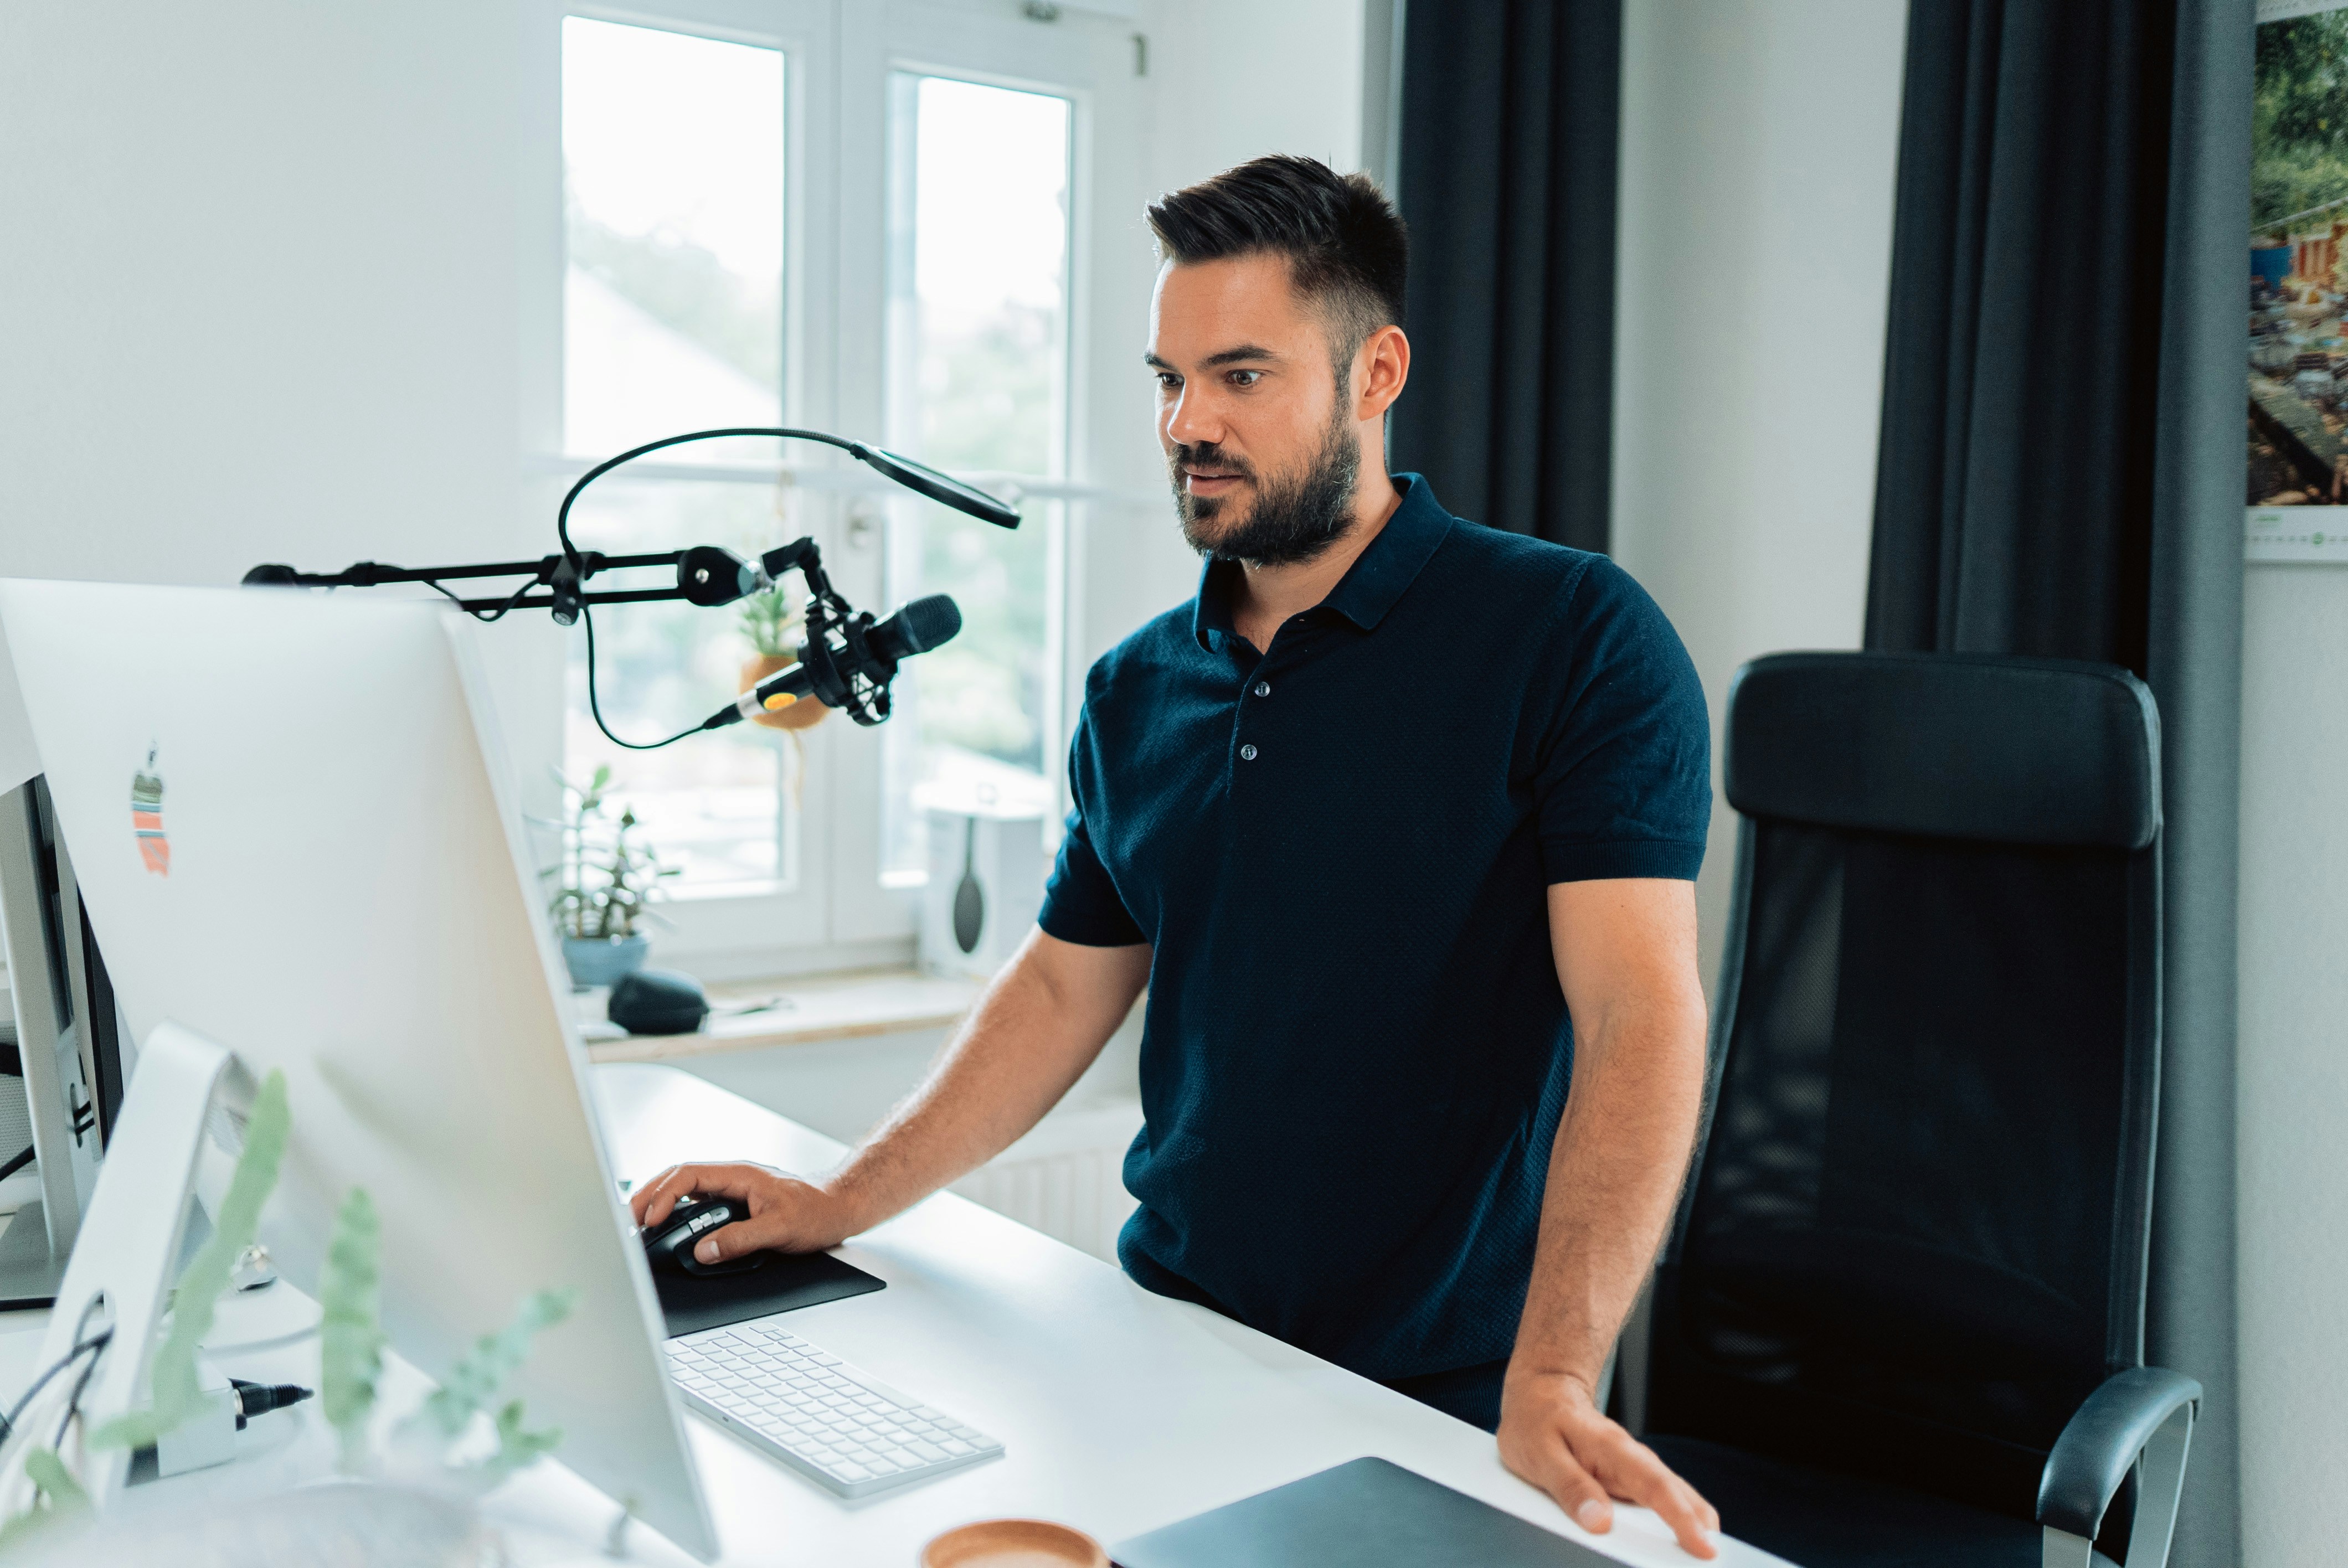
604 888
771 621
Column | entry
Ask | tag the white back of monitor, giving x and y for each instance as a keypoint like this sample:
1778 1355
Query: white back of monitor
349 899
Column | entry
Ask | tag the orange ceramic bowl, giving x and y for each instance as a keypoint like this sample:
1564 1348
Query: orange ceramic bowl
1014 1543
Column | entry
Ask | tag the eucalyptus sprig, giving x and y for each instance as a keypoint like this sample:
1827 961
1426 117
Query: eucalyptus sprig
351 1367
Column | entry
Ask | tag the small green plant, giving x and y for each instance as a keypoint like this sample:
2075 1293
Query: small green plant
771 621
471 1390
350 1367
606 884
440 1435
57 1499
350 1326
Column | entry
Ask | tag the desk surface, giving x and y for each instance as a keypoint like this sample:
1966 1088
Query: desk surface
1121 1410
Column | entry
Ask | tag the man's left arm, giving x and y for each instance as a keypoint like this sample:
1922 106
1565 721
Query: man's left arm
1626 956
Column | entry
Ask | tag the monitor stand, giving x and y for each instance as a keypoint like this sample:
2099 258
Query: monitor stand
130 1241
29 1271
50 985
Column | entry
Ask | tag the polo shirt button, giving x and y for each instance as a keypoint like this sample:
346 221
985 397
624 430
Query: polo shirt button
1263 688
1247 753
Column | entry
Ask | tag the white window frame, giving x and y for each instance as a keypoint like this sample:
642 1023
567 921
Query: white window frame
840 55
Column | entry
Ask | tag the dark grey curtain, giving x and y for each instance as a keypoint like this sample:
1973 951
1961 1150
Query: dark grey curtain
1507 174
2061 474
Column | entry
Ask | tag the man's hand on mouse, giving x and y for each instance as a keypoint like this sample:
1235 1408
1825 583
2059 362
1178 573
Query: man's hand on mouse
787 1214
1553 1434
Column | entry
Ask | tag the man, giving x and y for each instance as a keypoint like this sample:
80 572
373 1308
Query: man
1398 820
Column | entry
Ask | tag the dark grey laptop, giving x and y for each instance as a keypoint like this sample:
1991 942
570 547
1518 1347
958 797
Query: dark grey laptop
1365 1514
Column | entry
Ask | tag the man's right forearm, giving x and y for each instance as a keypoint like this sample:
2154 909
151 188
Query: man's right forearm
1036 1027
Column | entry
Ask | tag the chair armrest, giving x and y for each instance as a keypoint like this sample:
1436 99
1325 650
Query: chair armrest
2101 1443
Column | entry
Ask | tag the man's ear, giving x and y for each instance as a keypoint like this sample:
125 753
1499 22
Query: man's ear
1381 366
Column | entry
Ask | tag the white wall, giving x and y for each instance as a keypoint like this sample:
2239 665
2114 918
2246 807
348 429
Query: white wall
1756 179
1228 80
259 285
258 290
2293 1085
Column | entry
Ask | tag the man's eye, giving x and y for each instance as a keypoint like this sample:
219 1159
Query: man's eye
1169 380
1246 377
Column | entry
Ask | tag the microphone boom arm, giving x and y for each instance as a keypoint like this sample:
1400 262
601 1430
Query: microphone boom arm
707 575
846 672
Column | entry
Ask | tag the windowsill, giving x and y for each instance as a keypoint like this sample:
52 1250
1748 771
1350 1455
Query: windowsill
710 892
807 1010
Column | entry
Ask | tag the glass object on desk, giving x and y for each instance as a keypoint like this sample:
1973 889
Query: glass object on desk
977 381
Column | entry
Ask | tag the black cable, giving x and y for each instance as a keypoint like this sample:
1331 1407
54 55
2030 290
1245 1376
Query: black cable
17 1164
587 624
260 1399
572 558
562 513
502 611
95 1342
72 1405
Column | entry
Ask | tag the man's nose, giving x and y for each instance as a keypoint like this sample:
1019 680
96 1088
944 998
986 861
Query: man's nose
1191 422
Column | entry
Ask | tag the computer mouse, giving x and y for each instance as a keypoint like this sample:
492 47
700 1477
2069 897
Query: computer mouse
669 1244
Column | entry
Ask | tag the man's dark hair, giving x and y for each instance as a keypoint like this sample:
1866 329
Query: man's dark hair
1347 250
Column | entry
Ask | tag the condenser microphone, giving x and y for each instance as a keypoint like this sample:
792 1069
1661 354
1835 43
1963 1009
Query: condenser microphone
860 667
919 627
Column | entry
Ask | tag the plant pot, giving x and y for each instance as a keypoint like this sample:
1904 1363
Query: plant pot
600 960
804 714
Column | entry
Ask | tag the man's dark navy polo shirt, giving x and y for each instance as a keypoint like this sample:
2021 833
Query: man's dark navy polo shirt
1355 1052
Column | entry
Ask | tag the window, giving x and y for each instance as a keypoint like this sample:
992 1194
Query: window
864 220
673 320
977 382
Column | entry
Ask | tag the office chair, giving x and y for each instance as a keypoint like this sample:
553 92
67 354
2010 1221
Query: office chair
1900 1320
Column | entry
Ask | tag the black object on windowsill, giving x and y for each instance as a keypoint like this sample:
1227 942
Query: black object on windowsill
657 1001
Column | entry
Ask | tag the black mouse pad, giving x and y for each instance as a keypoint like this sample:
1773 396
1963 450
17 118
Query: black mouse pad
1365 1514
692 1302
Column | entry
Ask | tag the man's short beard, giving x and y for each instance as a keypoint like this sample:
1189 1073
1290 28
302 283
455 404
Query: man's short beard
1293 519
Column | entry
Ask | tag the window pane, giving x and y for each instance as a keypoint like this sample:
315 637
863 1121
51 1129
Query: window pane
719 807
978 242
672 169
672 174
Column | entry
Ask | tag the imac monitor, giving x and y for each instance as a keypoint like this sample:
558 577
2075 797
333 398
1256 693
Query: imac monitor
290 822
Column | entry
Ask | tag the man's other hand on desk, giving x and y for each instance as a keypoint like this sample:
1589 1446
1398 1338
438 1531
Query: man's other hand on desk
787 1214
1553 1434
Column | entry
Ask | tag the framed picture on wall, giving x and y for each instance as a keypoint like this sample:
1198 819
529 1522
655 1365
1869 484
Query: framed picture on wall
2298 371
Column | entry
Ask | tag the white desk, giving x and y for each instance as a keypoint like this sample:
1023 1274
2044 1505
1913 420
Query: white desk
1121 1410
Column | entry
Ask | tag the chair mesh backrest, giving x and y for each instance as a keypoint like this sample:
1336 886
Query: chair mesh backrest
1916 1239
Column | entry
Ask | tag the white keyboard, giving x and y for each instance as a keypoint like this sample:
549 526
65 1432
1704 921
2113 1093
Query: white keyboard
852 1433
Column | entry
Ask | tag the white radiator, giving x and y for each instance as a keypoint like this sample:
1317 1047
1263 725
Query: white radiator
1065 1177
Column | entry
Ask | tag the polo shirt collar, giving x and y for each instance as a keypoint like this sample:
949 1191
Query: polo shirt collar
1370 586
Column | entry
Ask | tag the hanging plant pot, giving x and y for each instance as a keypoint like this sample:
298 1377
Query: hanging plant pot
804 714
600 960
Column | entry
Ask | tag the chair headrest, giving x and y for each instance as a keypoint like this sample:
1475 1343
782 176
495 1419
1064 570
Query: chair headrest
1949 745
